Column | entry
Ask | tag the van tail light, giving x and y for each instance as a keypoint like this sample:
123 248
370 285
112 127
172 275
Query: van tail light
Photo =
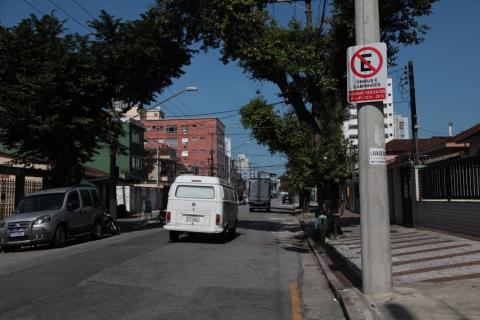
169 216
217 219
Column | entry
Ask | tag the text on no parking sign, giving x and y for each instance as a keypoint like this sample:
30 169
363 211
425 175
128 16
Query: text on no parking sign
367 73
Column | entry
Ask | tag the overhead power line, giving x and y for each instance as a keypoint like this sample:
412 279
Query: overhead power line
34 8
237 110
69 15
83 8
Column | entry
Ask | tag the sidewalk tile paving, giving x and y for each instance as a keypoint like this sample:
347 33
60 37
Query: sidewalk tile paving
419 256
436 275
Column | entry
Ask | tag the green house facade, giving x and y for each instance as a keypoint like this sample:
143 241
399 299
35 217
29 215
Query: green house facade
131 165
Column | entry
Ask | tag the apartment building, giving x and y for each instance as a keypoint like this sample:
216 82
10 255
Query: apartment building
199 143
400 127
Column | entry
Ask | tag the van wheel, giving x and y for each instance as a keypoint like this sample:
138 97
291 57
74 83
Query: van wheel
250 209
222 237
60 238
173 236
233 232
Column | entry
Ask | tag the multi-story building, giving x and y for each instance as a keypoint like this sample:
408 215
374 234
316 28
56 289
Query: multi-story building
350 127
131 165
400 127
199 142
244 166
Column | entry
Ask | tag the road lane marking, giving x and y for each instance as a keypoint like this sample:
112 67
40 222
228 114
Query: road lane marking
295 299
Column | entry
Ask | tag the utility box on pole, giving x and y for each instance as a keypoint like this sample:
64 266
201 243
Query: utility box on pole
368 62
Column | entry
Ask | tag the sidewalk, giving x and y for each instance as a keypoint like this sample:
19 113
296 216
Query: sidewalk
435 275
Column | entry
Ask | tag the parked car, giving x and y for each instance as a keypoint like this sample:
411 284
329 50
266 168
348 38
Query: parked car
287 199
52 215
199 204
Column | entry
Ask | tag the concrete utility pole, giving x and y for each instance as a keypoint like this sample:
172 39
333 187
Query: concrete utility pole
375 222
413 110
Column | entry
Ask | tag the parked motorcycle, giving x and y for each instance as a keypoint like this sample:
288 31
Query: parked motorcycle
110 226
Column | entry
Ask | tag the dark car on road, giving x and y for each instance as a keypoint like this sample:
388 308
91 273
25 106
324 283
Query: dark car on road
287 199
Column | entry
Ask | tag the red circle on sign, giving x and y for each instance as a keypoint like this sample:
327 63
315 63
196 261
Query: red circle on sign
357 55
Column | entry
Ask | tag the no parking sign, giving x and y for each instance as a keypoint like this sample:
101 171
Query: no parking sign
367 72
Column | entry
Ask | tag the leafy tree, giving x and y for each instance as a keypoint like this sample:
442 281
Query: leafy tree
307 64
47 101
58 90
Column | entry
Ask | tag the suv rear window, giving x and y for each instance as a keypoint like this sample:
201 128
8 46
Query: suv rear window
42 202
199 192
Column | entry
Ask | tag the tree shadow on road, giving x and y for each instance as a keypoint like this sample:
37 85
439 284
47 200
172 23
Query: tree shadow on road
271 226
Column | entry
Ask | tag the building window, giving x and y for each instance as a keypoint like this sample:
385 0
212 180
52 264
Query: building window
136 163
184 153
353 126
171 129
172 142
202 138
353 136
184 128
137 137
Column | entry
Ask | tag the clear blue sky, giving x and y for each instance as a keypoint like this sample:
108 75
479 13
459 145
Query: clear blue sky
446 68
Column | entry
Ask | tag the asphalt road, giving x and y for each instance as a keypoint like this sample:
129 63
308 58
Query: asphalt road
266 272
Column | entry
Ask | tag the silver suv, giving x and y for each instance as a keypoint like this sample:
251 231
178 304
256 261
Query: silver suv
51 216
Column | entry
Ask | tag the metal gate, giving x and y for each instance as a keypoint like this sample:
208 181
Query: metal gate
7 194
7 197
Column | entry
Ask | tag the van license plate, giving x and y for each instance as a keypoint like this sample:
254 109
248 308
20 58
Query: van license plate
193 219
17 234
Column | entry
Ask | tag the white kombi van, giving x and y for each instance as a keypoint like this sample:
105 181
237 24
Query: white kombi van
200 204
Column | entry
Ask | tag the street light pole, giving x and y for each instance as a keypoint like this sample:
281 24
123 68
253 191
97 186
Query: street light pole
113 156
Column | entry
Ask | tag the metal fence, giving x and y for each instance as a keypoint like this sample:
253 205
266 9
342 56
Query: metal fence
7 197
7 194
457 179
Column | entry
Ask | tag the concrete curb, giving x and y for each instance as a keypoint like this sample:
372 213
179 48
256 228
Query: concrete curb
355 305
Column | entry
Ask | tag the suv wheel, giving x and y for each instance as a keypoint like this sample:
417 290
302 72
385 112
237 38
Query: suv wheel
97 230
60 238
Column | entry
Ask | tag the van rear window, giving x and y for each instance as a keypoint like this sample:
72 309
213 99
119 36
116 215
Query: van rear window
199 192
